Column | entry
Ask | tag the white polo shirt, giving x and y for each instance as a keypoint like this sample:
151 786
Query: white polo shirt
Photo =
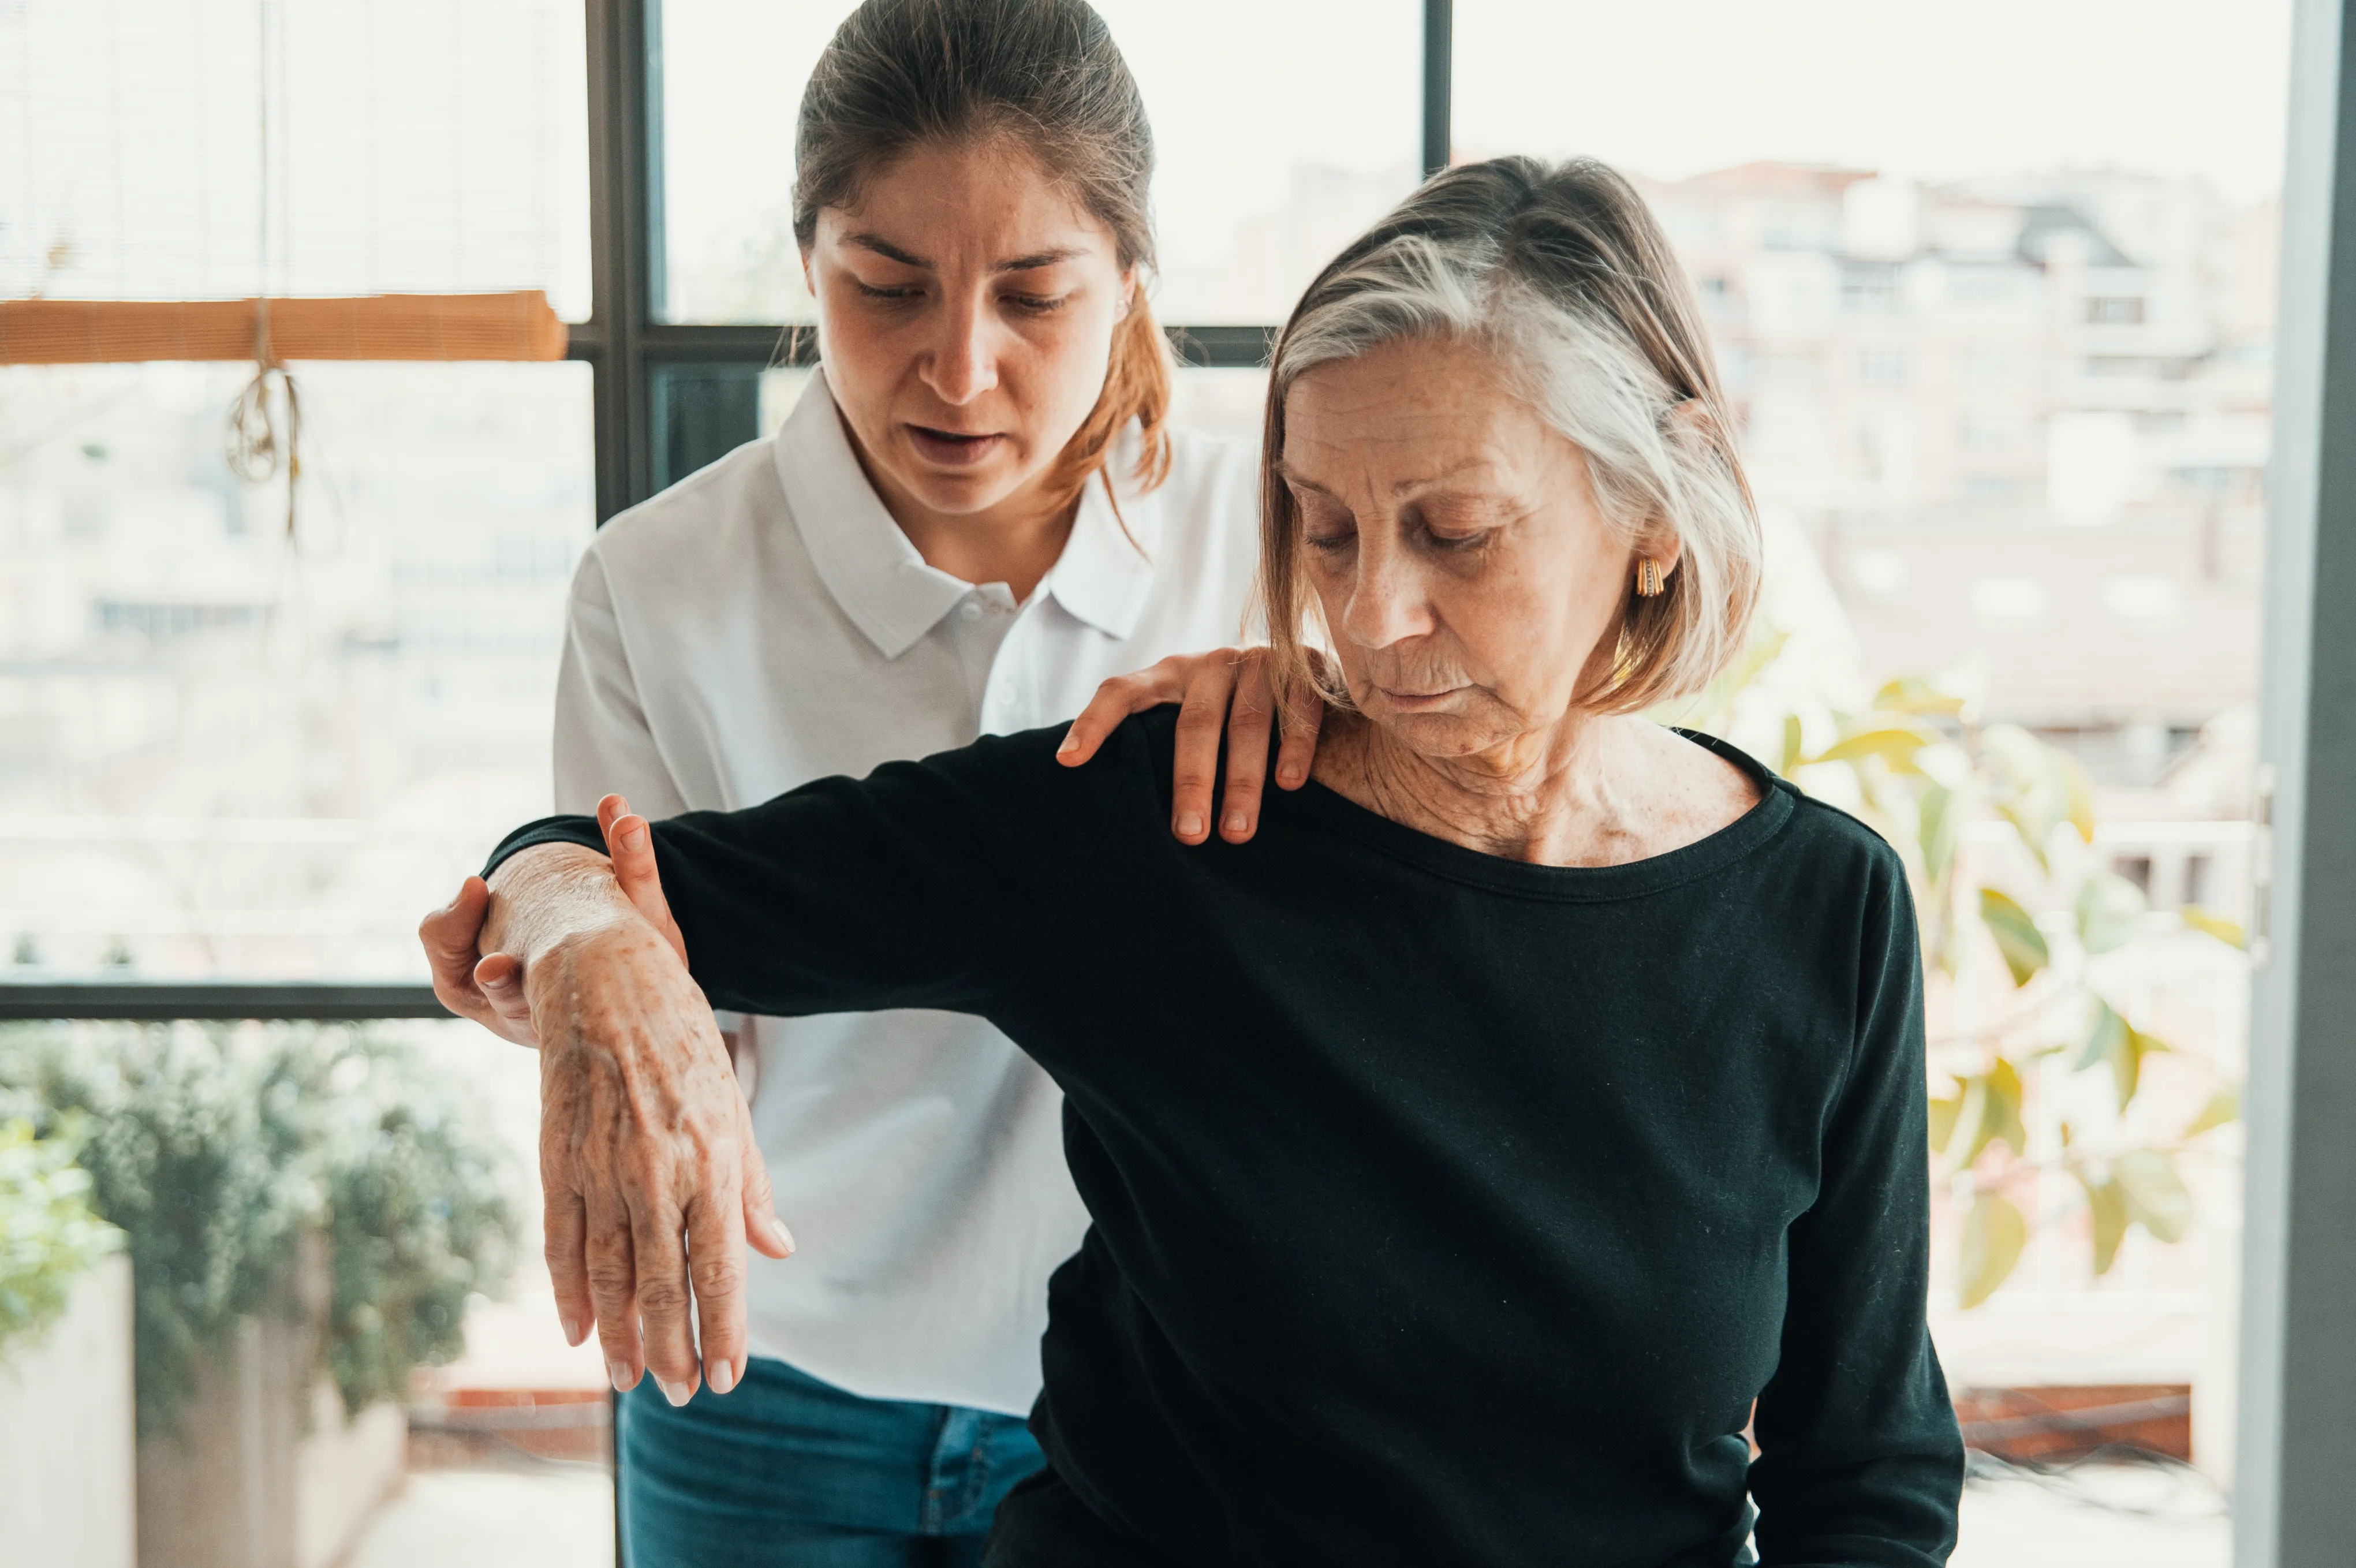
763 623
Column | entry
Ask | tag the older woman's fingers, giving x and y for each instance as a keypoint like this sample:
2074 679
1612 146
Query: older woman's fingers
611 1263
766 1232
1250 717
1304 716
1202 722
715 1264
630 843
564 1235
663 1295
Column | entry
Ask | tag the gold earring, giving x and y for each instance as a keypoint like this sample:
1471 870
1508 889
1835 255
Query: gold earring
1648 578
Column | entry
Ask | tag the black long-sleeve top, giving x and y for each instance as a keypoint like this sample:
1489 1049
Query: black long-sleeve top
1447 1208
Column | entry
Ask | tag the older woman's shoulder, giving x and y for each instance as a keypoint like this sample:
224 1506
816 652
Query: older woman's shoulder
1834 842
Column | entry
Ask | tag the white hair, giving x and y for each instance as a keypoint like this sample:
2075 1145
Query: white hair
1562 272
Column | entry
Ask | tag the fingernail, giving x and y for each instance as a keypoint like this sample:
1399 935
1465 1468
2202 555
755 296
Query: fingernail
1235 823
571 1332
679 1393
1071 744
721 1375
623 1379
636 838
778 1233
1288 775
1189 825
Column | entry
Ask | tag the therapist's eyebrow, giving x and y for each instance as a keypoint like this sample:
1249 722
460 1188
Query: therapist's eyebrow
1033 263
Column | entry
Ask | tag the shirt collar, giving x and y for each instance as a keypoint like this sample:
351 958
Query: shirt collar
866 563
883 585
1105 574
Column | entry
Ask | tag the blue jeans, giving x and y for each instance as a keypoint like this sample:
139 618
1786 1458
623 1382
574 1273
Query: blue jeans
788 1472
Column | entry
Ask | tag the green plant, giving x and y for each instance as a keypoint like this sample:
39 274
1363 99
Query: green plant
218 1150
49 1236
1920 767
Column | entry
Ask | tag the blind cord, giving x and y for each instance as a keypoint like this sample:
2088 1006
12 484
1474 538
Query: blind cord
255 448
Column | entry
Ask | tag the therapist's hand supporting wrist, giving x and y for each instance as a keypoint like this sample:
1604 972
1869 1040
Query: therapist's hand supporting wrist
645 1140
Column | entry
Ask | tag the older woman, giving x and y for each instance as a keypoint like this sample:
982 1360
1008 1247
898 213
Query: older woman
1540 1090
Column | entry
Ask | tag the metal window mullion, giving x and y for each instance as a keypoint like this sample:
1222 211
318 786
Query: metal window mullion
1439 83
620 251
2297 1377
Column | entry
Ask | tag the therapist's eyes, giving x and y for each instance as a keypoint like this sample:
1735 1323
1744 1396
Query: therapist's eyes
1037 303
887 291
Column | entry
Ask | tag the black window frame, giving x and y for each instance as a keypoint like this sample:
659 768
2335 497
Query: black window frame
667 397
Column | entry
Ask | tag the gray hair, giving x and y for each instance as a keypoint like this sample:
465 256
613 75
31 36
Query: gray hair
1564 274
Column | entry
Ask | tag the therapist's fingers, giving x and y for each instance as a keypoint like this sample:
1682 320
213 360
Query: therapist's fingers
1304 718
1117 699
1202 722
715 1264
1250 715
564 1234
663 1295
499 977
762 1227
630 843
448 935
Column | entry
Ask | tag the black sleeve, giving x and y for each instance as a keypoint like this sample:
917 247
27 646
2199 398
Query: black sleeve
931 884
1861 1461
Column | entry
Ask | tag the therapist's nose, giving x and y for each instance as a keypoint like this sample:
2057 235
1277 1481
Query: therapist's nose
964 359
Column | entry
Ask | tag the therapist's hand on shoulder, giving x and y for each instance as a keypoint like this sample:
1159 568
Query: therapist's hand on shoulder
645 1139
1224 694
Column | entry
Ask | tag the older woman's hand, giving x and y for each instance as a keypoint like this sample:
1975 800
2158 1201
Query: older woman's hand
645 1141
1225 692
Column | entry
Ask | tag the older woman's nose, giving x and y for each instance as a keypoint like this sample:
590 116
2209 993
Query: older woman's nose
963 363
1387 602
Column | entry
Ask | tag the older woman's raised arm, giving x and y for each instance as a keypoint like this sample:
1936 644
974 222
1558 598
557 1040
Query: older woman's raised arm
1861 1461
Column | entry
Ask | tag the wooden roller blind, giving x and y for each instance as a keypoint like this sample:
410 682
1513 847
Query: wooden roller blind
516 326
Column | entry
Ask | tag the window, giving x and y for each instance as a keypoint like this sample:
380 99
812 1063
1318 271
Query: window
1248 204
1882 367
2111 311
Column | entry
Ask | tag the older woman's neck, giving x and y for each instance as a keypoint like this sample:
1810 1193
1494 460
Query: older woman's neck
1590 790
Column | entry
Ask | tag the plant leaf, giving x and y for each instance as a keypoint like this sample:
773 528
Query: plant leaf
2155 1195
2077 792
2110 912
2230 933
2004 1098
1895 744
2016 935
1942 1119
1793 749
1994 1234
2107 1033
1972 1127
2108 1206
1914 694
1938 822
2223 1106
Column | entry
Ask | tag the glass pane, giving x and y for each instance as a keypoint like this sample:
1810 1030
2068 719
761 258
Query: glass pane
431 146
1249 205
1994 297
228 753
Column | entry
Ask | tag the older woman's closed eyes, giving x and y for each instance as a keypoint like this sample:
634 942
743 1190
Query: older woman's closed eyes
1540 1089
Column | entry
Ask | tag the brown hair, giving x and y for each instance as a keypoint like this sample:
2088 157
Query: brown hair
1563 273
900 74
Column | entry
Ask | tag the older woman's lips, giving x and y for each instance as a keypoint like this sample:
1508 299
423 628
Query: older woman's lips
954 448
1416 702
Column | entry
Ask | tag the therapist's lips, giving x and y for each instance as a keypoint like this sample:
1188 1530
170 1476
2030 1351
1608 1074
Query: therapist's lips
953 447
